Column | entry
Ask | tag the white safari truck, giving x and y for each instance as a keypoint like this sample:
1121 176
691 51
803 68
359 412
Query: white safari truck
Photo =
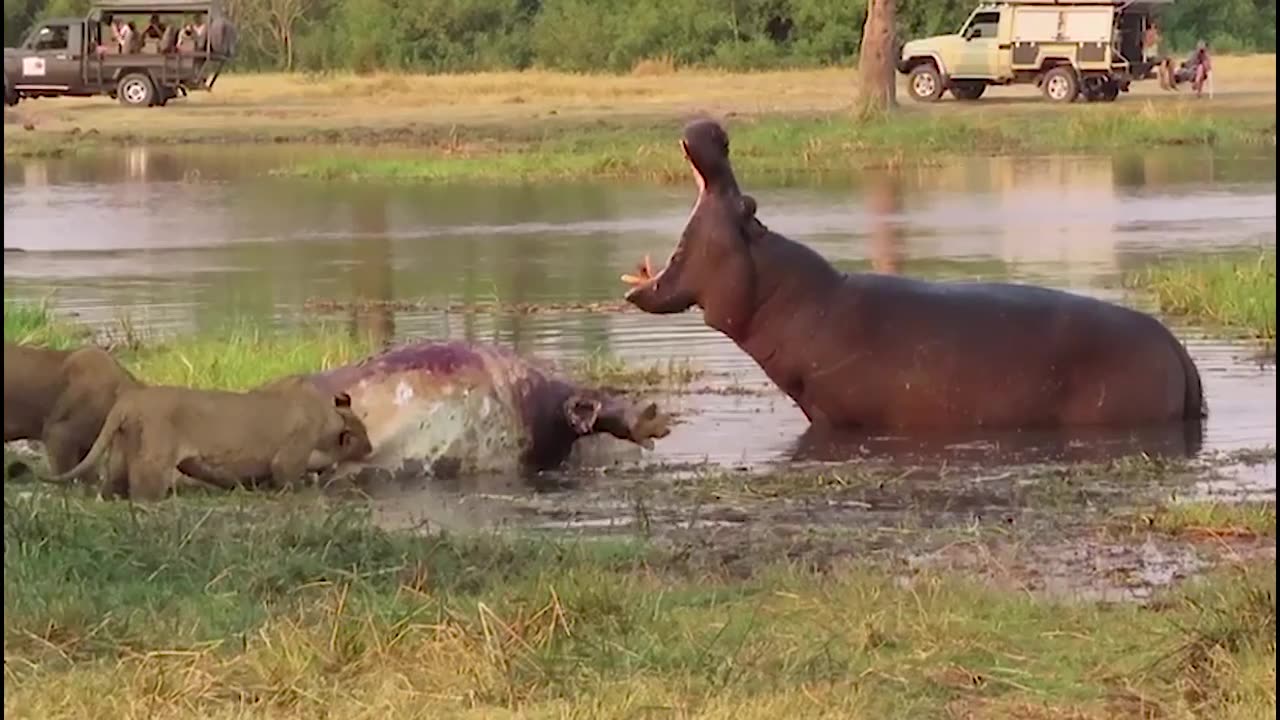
1068 48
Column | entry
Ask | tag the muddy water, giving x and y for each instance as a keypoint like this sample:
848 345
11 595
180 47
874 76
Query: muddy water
185 239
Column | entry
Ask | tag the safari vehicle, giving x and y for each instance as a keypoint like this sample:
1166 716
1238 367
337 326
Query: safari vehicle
78 57
1068 48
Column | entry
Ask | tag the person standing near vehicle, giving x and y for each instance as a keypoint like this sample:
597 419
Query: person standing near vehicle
1151 54
1198 67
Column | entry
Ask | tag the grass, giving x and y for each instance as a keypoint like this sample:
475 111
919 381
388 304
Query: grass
292 608
540 125
1234 293
245 354
1216 519
608 370
780 147
28 323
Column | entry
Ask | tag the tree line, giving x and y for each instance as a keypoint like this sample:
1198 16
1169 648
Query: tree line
611 35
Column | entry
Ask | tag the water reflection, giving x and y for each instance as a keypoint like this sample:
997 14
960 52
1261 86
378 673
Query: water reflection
371 278
884 202
1174 440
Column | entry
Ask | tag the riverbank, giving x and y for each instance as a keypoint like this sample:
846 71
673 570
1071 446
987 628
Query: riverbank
263 607
244 355
1234 294
539 125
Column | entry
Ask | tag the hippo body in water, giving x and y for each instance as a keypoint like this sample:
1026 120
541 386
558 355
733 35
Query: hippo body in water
447 408
884 352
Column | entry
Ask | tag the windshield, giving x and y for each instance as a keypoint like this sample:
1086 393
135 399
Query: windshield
47 37
982 24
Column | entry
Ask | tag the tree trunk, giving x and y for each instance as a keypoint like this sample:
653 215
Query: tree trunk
876 59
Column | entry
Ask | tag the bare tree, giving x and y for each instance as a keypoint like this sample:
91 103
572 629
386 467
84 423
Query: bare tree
284 16
271 25
876 59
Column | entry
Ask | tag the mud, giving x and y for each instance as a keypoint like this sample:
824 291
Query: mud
1072 530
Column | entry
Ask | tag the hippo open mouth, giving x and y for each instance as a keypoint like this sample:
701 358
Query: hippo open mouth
644 271
706 148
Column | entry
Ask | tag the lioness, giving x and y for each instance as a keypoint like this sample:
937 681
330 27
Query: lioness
60 397
156 433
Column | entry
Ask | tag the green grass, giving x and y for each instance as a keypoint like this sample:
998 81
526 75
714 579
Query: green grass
243 358
245 354
265 607
782 147
608 370
1235 293
239 356
27 323
1222 519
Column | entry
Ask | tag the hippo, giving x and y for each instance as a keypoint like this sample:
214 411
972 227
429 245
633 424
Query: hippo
885 352
449 408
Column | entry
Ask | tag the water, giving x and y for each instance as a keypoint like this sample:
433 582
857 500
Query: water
182 239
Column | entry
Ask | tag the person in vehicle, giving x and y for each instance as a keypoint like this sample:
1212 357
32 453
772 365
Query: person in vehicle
193 35
201 33
1151 43
130 41
155 29
187 37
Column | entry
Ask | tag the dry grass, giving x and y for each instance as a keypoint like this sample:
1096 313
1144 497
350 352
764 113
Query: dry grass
655 89
289 608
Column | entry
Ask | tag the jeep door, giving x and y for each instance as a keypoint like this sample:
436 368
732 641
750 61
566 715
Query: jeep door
51 57
980 45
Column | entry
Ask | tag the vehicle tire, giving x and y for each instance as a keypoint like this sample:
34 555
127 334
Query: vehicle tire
163 96
1109 91
967 89
1061 84
136 90
924 83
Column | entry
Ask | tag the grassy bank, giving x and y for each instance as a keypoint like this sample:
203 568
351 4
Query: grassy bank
804 146
291 608
245 355
537 125
1235 293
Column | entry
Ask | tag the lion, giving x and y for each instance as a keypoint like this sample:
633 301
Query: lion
155 435
60 397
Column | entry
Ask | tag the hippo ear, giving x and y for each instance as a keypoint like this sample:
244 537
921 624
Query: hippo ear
582 414
342 400
746 208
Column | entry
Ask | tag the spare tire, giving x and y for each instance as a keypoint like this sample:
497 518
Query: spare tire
222 37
